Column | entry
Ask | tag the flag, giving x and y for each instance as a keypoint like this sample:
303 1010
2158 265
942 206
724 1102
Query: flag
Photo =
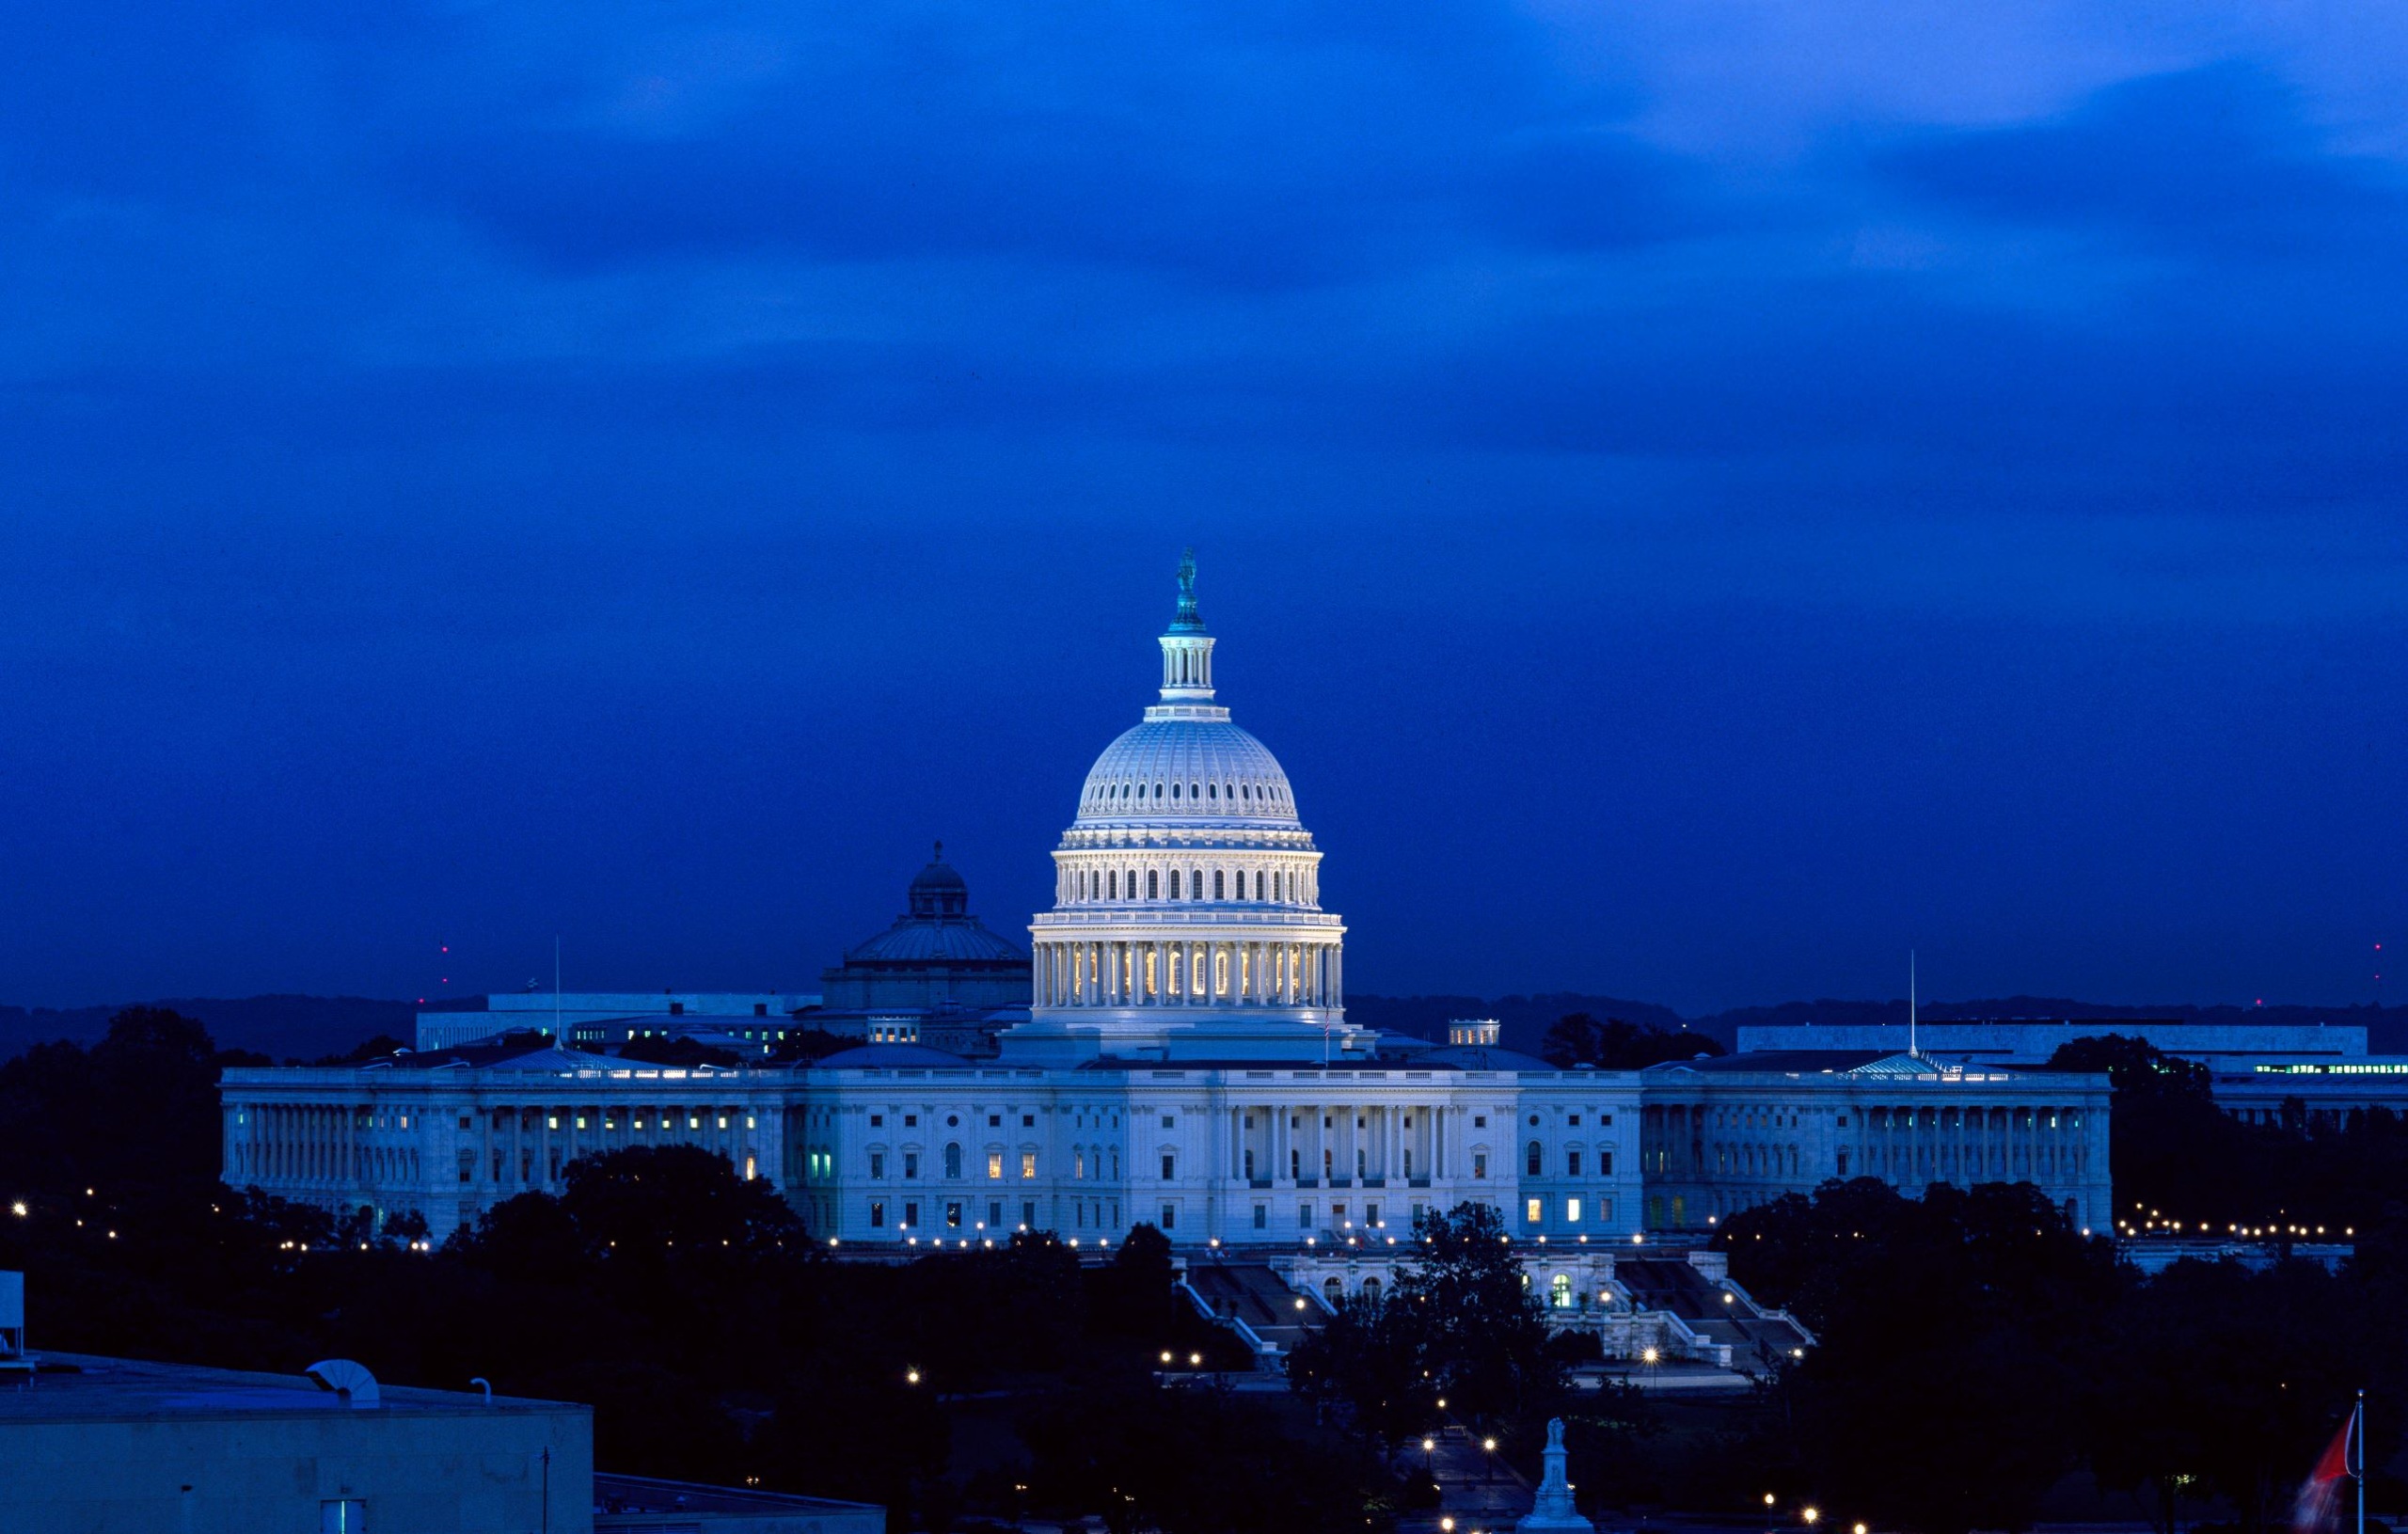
2319 1495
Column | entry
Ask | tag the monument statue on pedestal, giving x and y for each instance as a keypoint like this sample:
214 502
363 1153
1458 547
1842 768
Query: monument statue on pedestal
1553 1512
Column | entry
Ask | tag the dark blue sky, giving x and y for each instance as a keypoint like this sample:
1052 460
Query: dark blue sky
1699 500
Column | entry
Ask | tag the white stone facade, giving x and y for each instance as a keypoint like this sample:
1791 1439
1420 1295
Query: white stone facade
1186 1063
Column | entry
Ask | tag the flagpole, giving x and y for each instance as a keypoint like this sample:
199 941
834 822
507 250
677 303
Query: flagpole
2358 1430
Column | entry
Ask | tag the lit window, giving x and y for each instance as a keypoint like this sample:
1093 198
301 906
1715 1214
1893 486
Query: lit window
994 1166
1028 1163
1572 1212
1536 1211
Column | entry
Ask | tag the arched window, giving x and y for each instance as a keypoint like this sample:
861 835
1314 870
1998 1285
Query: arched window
1196 883
1114 891
1535 1157
1158 790
1258 884
1174 790
1211 790
1132 884
1191 790
1154 883
1216 884
953 1161
1174 884
1372 1290
1558 1291
1332 1290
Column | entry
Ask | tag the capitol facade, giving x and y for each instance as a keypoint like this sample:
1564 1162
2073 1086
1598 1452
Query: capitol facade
1184 1061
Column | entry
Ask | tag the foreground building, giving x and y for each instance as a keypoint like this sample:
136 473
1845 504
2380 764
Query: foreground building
1186 1062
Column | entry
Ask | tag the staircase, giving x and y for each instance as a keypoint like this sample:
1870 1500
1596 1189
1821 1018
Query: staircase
1257 1305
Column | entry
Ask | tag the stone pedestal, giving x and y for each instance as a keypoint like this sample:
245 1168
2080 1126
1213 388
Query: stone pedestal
1553 1512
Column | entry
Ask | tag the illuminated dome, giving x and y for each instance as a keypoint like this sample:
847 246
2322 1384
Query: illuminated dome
1187 920
1182 770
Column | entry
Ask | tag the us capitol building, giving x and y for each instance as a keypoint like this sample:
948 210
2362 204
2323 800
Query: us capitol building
1184 1060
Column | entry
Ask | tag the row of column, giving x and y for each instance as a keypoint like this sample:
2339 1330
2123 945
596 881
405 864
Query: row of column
1180 973
1971 1145
1114 883
1304 1150
295 1143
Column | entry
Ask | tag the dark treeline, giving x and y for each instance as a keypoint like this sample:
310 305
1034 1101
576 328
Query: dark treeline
1976 1350
2180 1160
715 1337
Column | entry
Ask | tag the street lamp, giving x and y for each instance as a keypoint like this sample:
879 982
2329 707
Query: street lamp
910 1376
1488 1447
1811 1514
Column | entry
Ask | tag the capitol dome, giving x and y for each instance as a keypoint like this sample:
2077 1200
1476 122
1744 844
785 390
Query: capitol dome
1185 770
1187 920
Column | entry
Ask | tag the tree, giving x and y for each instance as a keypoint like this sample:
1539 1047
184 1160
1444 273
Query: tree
687 1052
1579 1039
1464 1307
1369 1357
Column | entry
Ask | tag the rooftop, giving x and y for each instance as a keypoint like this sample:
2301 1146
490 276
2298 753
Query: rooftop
641 1493
68 1385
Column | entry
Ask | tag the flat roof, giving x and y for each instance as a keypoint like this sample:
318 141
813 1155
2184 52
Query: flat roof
68 1386
614 1493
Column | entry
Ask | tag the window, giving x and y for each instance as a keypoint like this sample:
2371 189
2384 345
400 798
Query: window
1571 1164
911 1121
1572 1212
1027 1164
1249 1165
953 1216
1216 894
878 1163
1480 1122
878 1214
1169 1165
1535 1158
1258 884
1028 1121
1535 1212
1169 1121
1305 1216
1558 1291
1480 1163
1361 1160
1295 1163
1575 1121
910 1213
1408 1162
1843 1165
1170 1216
910 1164
995 1121
1605 1163
1262 1217
1027 1215
1174 884
345 1516
953 1161
995 1217
1371 1215
1153 882
994 1166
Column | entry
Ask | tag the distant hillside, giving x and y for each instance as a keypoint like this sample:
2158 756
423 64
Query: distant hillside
281 1027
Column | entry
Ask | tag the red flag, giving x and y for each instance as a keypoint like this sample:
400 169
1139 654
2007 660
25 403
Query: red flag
2319 1495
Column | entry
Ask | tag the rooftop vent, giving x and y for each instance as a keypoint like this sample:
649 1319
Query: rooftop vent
352 1382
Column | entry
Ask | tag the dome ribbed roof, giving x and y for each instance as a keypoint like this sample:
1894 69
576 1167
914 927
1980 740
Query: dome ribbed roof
1187 771
960 939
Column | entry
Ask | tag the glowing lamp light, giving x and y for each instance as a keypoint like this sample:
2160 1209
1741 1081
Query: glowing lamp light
910 1376
1812 1515
1767 1499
